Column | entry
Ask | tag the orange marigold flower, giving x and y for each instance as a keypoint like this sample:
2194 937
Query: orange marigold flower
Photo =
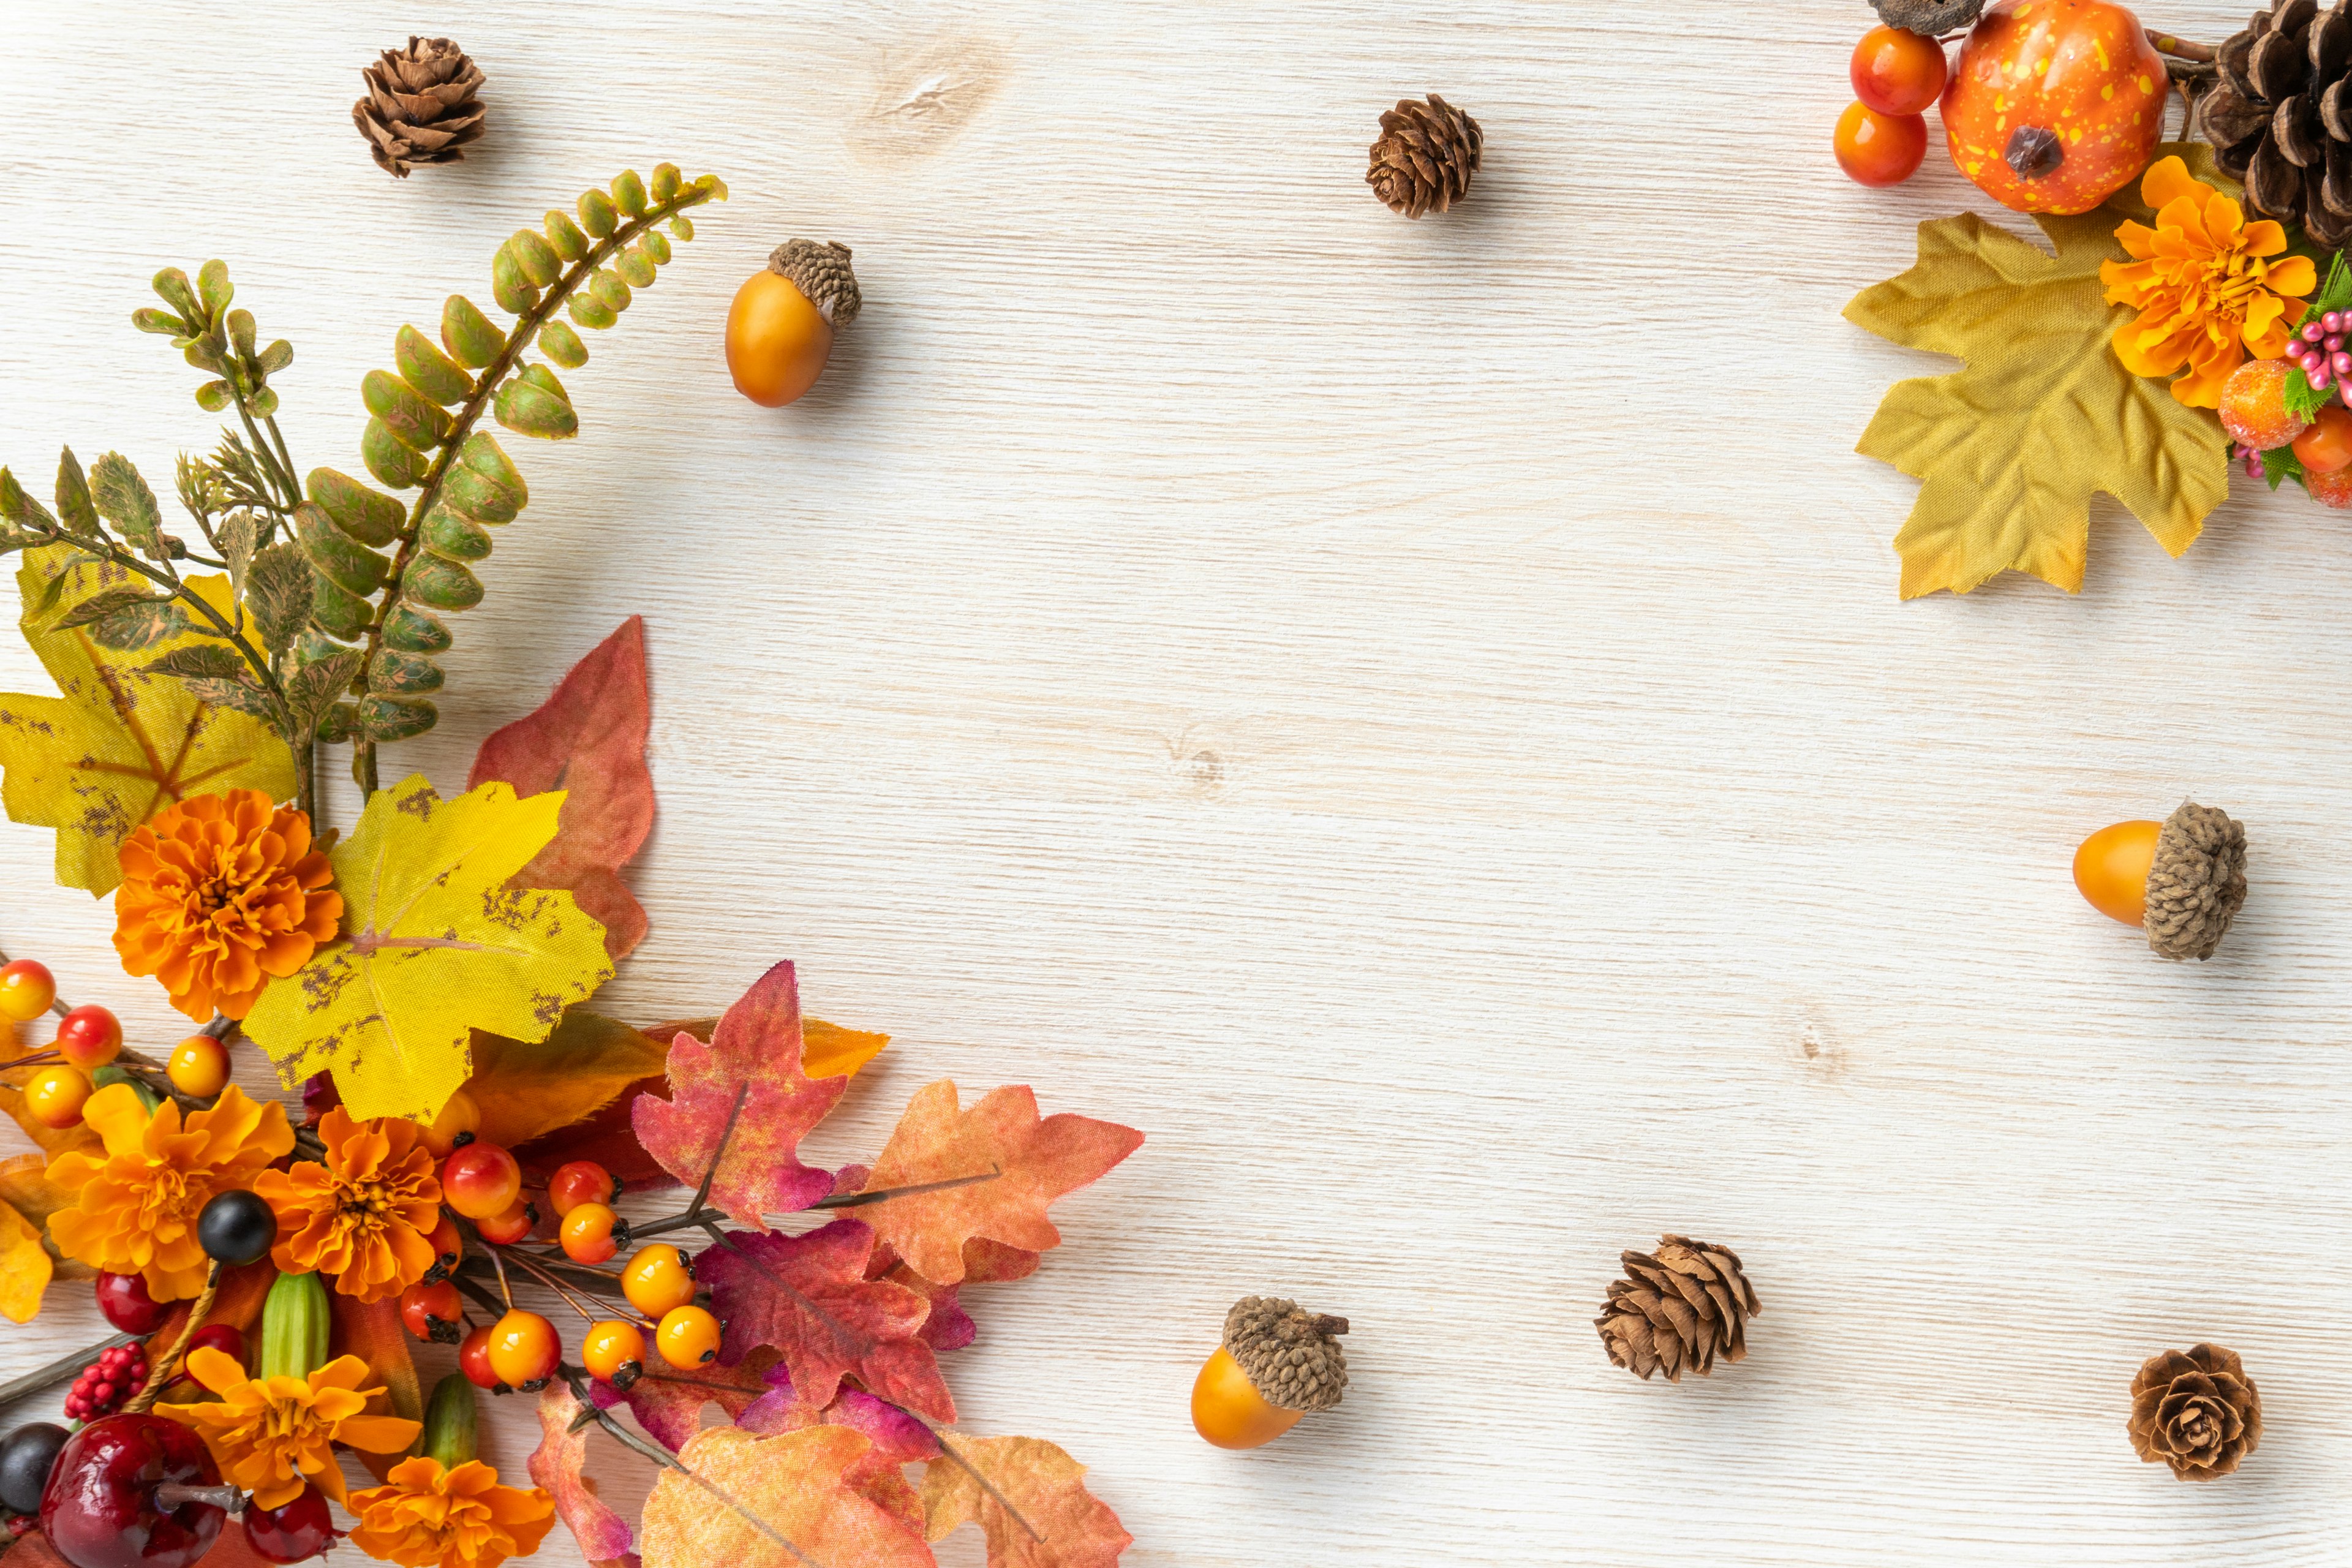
219 895
366 1215
431 1518
135 1206
2204 281
270 1434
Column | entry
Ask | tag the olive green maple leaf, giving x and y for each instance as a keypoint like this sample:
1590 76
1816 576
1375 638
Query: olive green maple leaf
434 945
2012 446
120 744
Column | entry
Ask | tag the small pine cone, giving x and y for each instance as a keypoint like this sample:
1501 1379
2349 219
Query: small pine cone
420 106
1929 19
1675 1308
2196 1411
1293 1359
822 274
2198 883
1425 156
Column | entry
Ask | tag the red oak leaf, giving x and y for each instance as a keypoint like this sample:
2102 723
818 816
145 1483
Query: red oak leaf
809 1297
899 1439
1044 1484
588 740
1037 1162
950 1327
754 1056
669 1402
555 1465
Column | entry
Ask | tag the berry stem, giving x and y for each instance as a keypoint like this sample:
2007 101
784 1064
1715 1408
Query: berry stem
59 1371
170 1495
160 1372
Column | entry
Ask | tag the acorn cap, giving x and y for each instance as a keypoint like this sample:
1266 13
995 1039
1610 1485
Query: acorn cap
2198 883
820 271
1292 1357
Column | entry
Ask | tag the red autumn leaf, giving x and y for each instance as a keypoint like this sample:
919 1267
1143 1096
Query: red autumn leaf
588 740
668 1402
1044 1484
755 1054
1037 1162
950 1327
555 1465
809 1297
899 1439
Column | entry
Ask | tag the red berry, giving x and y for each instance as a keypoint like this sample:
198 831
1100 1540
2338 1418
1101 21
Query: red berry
448 1250
431 1312
513 1224
90 1036
124 1300
480 1180
295 1533
474 1361
100 1511
221 1337
1897 72
581 1181
1877 148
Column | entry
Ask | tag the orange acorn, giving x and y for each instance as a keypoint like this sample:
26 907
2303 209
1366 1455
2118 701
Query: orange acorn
2182 880
1277 1364
779 328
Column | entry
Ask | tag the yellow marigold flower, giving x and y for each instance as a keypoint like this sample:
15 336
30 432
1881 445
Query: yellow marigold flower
432 1518
2204 281
270 1434
366 1216
219 895
134 1209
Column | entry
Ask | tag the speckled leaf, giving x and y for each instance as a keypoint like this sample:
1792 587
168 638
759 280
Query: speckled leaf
773 1502
1045 1484
124 498
556 1465
434 944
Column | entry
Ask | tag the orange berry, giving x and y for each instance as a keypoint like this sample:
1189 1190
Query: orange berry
1876 148
2328 445
1229 1411
54 1097
199 1066
2334 490
1897 72
26 990
592 1233
90 1036
455 1127
777 342
581 1181
509 1224
449 1247
523 1349
687 1337
481 1180
2111 870
2254 404
611 1349
658 1278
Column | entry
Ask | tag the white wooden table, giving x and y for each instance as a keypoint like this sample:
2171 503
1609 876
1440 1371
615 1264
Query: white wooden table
1328 691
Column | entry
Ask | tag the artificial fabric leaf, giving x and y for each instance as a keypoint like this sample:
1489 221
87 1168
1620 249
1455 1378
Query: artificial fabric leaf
556 1465
1037 1162
827 1050
808 1297
278 592
123 500
588 740
753 1055
773 1502
312 690
372 1331
1044 1483
899 1439
669 1402
241 536
950 1327
526 1090
120 746
434 945
2012 447
24 1267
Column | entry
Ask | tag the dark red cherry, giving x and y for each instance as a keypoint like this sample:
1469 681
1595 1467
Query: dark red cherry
123 1298
295 1533
221 1337
101 1510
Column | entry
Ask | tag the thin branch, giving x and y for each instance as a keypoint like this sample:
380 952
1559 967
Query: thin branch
857 1200
57 1371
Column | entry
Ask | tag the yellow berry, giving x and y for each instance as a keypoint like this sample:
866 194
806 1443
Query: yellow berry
687 1337
199 1066
54 1097
658 1279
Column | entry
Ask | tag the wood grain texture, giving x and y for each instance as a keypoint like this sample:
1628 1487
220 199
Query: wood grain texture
1339 695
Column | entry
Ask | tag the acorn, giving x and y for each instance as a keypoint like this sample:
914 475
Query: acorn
779 328
2181 881
1276 1365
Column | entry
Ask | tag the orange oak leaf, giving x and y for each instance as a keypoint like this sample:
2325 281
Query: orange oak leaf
1044 1483
773 1502
1037 1162
753 1061
556 1465
588 740
808 1296
527 1090
899 1439
669 1402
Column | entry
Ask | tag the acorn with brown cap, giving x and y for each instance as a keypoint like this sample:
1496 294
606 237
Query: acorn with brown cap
2181 881
1277 1364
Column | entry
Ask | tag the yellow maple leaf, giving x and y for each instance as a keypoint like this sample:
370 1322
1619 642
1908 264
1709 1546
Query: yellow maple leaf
2012 446
24 1267
434 945
119 745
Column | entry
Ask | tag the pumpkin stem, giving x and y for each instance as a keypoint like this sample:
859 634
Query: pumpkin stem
2034 152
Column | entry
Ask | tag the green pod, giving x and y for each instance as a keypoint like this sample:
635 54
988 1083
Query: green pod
634 266
393 674
355 568
369 516
295 1323
276 357
342 723
528 409
629 193
395 718
241 334
439 583
656 247
539 262
610 292
559 343
412 630
711 186
589 312
451 1419
597 215
148 319
337 610
265 402
682 226
482 484
391 463
565 236
454 538
213 288
415 423
666 182
469 336
173 286
509 285
424 367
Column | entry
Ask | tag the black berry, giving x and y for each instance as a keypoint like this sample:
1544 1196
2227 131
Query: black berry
26 1457
236 1228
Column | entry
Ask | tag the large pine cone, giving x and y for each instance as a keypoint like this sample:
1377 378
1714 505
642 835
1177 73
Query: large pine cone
420 106
2280 118
1677 1309
2197 1412
1425 156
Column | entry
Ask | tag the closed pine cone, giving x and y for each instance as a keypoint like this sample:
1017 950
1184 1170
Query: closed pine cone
1677 1309
1425 156
2196 1411
420 106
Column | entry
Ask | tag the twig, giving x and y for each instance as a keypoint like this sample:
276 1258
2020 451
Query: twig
160 1372
2180 49
856 1199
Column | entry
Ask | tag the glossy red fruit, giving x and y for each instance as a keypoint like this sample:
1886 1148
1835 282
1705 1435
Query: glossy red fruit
1897 72
449 1250
431 1312
581 1181
90 1036
510 1227
294 1533
480 1180
123 1298
474 1361
1876 148
221 1337
100 1510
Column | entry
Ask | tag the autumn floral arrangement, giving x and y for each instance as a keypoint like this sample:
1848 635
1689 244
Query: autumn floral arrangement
2196 311
467 1121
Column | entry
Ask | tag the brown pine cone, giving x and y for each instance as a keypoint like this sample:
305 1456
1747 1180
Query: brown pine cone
1293 1358
2197 1412
420 106
2280 116
1677 1308
1425 156
2198 882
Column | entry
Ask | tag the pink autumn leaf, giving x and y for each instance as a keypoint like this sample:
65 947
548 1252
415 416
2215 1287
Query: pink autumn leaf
899 1439
556 1465
668 1402
950 1327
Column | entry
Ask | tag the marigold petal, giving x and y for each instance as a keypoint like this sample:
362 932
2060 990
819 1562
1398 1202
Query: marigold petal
377 1434
217 1370
120 1119
2149 354
2167 181
2295 275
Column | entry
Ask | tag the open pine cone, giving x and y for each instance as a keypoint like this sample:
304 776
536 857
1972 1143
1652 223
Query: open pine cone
1425 156
1677 1309
2196 1411
2280 116
420 106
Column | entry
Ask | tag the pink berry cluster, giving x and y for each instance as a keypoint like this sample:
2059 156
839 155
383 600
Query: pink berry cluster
2319 349
106 1383
2252 457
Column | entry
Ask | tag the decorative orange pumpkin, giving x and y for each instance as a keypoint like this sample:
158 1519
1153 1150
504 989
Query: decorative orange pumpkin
2055 104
